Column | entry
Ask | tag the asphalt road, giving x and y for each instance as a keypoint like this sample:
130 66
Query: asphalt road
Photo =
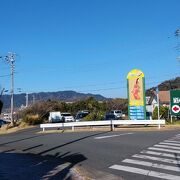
129 155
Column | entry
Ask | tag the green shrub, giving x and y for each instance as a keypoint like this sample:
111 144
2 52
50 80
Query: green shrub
32 119
163 112
95 116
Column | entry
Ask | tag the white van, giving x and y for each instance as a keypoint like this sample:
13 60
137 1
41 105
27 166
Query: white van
117 113
55 117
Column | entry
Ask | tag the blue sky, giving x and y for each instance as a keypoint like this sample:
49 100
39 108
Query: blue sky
88 45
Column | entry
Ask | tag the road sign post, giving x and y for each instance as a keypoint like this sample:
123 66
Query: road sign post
175 103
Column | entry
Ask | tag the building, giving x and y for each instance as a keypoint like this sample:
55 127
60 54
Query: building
152 102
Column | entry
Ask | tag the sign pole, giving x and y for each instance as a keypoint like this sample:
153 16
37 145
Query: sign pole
158 101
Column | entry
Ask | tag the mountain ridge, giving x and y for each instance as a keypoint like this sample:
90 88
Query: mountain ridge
66 96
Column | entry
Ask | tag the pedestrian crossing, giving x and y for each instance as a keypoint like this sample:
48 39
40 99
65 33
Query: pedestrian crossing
161 161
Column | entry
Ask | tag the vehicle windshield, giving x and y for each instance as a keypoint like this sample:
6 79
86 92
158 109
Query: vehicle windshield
66 114
81 115
117 111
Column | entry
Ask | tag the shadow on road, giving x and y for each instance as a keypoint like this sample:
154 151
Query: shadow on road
76 140
30 166
22 139
23 165
177 159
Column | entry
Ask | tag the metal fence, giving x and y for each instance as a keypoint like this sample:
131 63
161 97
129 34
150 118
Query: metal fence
110 123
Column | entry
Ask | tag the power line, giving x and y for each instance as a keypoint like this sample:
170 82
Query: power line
122 87
117 82
7 75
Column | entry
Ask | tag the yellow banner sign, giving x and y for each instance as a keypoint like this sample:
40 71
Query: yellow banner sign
136 88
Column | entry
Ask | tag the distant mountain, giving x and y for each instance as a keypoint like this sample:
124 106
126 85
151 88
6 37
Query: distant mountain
66 96
166 86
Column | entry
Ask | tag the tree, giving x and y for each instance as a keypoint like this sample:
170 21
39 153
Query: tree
163 112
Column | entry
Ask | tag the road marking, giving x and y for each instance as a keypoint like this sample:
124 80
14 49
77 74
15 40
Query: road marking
172 141
165 150
156 159
110 136
166 146
149 164
172 144
145 172
174 138
160 154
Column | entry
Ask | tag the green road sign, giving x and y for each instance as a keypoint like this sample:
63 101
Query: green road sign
175 102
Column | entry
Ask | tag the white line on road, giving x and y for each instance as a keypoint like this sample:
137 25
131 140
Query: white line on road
156 159
172 141
172 144
150 164
174 138
145 172
110 136
160 154
165 150
166 146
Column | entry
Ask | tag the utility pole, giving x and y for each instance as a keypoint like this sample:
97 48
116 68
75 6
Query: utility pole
177 34
27 99
157 95
34 98
10 58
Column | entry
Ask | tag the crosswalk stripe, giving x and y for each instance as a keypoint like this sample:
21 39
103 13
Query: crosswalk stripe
166 146
145 172
172 144
159 154
172 141
153 165
174 138
165 150
156 159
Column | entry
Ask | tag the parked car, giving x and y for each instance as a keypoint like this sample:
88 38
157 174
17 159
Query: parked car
3 122
67 117
117 113
81 115
110 117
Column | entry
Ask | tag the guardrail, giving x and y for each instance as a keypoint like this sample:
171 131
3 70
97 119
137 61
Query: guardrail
111 123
